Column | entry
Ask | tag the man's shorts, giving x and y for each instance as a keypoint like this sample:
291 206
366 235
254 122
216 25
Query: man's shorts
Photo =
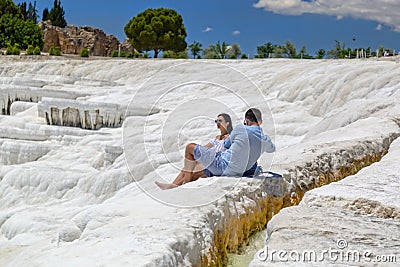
211 160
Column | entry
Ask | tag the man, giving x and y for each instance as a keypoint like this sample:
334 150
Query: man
244 146
246 143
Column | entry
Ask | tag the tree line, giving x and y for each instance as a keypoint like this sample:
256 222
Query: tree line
18 28
56 15
162 30
18 25
159 30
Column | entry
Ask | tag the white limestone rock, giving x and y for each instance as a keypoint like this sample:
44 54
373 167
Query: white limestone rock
20 106
360 214
84 188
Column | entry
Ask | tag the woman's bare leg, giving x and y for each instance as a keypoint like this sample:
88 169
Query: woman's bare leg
191 171
189 163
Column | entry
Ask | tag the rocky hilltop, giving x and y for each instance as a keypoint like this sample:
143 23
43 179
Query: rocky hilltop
72 40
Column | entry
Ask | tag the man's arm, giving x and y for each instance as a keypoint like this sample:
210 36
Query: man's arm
268 146
227 142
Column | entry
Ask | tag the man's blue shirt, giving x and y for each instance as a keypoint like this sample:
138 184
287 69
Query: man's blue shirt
244 146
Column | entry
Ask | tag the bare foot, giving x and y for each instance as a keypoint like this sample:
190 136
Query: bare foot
165 186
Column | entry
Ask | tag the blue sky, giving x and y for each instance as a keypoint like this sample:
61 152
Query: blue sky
250 23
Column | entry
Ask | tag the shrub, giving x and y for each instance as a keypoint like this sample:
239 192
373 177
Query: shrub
51 51
129 55
244 56
136 55
36 51
29 51
198 57
122 54
12 50
9 50
166 54
114 53
172 54
57 51
232 57
84 52
145 55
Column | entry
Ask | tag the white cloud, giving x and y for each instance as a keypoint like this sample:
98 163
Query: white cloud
236 32
208 29
379 27
382 11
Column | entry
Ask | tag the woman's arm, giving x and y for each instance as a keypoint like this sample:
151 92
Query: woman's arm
209 145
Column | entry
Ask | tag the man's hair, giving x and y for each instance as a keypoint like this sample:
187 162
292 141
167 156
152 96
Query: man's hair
253 115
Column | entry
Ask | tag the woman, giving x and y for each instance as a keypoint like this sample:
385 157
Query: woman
224 124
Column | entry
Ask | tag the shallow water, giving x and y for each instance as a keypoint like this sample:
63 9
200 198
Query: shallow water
256 243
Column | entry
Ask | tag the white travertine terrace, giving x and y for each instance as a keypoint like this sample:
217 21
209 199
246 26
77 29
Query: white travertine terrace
360 214
68 195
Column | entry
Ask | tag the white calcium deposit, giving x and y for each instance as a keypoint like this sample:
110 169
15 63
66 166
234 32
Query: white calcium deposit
85 195
353 222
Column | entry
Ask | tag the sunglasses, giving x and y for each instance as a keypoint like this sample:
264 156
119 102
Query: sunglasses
218 121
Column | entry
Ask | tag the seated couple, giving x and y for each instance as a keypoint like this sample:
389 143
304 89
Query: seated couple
231 153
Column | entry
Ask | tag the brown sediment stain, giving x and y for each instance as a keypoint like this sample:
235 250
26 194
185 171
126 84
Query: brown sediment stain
231 235
236 230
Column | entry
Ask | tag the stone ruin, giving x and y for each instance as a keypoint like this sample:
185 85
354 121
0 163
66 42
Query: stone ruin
72 40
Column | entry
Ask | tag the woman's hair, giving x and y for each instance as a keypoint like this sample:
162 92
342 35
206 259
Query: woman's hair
227 118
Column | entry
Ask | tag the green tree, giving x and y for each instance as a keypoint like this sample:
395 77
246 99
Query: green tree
28 12
235 51
22 8
303 51
338 51
195 48
264 51
8 7
279 50
321 53
209 52
56 15
221 49
32 13
157 29
15 30
45 14
290 49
